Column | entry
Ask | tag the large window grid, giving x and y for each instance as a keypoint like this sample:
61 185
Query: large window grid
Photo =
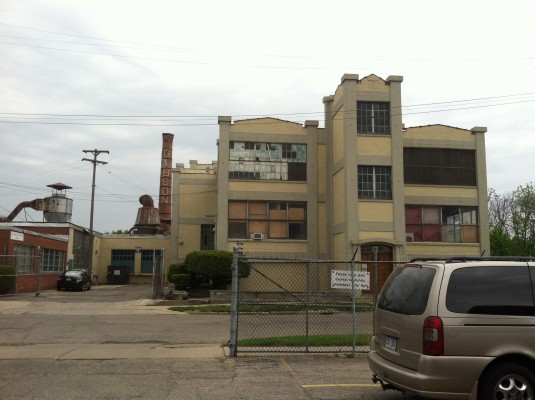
267 161
81 251
373 118
441 224
52 260
23 259
375 182
267 219
424 166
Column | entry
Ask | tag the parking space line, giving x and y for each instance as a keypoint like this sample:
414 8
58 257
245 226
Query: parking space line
300 382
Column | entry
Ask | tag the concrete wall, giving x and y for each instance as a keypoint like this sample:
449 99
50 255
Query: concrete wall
129 242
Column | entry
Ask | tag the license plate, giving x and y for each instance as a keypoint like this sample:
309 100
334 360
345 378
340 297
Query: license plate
68 280
391 343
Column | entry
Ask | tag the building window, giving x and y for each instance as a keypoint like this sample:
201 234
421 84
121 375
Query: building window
450 224
267 219
208 237
423 166
23 259
374 182
268 161
373 118
52 260
80 250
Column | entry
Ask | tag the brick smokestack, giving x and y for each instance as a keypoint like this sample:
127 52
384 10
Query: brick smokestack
164 203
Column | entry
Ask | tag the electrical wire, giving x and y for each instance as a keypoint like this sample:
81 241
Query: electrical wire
175 120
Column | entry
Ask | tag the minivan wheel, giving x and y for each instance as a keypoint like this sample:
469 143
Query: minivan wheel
507 381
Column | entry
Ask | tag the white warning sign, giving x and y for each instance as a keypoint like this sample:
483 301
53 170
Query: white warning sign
342 280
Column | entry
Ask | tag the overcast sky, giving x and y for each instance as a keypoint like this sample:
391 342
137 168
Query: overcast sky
114 75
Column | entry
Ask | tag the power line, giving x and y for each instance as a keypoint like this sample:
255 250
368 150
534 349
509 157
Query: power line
202 117
241 65
154 46
189 124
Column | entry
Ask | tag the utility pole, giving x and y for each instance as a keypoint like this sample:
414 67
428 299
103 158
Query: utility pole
94 161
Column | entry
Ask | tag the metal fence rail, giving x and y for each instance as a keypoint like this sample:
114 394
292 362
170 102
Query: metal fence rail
304 306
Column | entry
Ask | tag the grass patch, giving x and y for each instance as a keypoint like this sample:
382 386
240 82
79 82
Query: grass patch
213 308
272 308
363 339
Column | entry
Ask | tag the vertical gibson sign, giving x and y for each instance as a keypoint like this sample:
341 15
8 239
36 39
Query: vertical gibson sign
164 203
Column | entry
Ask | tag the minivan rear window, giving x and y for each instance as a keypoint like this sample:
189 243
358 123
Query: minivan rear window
407 290
497 290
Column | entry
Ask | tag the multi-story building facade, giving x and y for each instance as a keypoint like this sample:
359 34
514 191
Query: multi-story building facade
362 182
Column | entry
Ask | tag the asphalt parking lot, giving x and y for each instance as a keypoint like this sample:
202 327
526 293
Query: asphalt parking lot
113 342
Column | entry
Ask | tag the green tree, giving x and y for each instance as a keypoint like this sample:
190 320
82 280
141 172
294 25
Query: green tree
500 243
524 220
120 232
512 222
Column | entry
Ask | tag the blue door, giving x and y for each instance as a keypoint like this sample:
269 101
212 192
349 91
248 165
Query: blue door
147 260
123 258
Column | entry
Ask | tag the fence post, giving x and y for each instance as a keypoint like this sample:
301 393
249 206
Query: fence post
234 302
375 250
353 303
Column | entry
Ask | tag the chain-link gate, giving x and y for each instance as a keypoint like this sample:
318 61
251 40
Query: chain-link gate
305 306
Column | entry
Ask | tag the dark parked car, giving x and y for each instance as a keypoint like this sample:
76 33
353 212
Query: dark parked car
74 279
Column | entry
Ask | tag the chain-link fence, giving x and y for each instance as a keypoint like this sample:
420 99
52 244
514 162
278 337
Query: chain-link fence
23 274
158 273
307 306
24 282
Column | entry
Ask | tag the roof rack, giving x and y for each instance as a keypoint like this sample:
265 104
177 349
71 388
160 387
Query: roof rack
458 259
428 259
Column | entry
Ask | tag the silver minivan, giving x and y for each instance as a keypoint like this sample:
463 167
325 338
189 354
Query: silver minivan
458 328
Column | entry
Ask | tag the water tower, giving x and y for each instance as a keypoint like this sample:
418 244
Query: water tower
58 208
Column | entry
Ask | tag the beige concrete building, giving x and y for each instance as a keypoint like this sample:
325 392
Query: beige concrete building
361 182
136 252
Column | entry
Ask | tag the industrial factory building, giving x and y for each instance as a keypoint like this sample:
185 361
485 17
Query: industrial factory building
363 181
40 251
286 190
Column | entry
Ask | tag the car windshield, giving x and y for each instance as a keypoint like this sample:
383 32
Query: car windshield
407 290
73 273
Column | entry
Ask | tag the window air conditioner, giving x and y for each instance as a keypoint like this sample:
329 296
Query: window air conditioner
257 236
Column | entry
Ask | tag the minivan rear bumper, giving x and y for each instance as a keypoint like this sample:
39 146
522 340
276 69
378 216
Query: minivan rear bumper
436 377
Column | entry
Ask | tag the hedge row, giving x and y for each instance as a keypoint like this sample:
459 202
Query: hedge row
206 266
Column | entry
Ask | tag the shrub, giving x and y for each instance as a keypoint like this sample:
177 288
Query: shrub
181 281
175 269
214 266
7 283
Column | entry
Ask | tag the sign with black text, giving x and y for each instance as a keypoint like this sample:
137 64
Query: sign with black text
342 280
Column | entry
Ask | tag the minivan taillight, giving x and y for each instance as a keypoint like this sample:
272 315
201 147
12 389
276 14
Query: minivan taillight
433 337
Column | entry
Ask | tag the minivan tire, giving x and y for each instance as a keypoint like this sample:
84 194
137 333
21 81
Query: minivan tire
507 380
